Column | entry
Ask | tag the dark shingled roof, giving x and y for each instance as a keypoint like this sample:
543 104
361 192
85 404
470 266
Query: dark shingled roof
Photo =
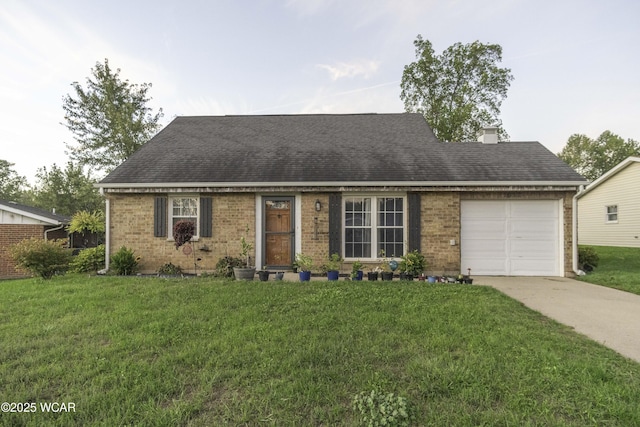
331 148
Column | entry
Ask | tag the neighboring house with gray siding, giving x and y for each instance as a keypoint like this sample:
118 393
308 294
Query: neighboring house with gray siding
353 184
609 207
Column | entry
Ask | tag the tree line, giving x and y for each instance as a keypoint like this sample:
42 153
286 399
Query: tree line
109 120
459 92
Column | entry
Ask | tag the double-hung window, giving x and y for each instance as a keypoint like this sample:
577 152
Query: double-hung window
612 213
374 226
184 209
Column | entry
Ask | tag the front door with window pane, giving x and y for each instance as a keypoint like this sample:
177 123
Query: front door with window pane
278 232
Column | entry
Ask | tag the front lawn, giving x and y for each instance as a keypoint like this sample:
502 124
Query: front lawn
147 351
618 268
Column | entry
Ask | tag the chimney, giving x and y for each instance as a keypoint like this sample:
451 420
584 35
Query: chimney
488 135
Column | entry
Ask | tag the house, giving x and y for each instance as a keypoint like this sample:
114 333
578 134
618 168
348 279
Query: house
609 207
19 222
353 184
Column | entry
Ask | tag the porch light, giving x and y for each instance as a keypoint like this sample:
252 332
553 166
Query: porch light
318 205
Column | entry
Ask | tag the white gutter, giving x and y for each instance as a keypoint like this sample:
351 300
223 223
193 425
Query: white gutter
340 184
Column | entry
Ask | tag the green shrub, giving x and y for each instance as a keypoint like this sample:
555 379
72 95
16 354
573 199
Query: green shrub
91 259
87 222
413 263
588 258
382 409
43 258
170 269
124 262
224 266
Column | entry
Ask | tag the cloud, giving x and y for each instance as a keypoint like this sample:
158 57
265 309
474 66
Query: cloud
309 7
359 67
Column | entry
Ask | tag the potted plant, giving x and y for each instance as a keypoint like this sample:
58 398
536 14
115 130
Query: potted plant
263 274
245 272
356 271
468 279
412 264
304 264
333 266
385 267
373 274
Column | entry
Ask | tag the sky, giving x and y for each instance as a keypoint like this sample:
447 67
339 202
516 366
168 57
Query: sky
576 63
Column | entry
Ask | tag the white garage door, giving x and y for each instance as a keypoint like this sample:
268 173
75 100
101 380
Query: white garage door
511 238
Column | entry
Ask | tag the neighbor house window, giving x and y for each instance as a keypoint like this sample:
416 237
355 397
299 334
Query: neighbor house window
183 209
612 213
373 224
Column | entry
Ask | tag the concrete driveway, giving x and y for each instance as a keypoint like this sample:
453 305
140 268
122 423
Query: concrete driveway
606 315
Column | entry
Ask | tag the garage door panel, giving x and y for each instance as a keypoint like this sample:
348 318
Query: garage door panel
530 267
485 229
485 266
486 248
481 209
532 248
545 229
511 237
533 209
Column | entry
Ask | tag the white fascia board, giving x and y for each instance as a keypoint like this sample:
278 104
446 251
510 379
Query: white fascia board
611 172
31 215
345 184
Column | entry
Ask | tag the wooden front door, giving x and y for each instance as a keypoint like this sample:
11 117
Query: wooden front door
278 232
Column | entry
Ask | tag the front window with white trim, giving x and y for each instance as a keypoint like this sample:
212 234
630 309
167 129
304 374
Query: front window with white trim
612 213
374 225
184 209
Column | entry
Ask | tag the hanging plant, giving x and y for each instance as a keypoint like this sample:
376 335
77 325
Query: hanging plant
183 232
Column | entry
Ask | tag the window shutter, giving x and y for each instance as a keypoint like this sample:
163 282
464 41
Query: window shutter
206 223
160 217
413 199
335 223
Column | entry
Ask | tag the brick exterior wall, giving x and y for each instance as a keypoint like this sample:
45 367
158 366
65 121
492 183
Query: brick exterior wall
315 244
440 214
131 225
10 234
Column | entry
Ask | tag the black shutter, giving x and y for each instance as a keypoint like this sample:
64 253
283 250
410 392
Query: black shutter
413 200
160 217
206 226
335 224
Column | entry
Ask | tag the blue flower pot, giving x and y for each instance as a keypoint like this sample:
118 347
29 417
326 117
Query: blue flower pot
333 275
305 276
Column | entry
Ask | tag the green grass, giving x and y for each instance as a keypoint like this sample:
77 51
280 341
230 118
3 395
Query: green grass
147 351
618 268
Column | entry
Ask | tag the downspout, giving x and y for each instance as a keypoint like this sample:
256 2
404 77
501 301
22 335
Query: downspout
107 239
46 232
574 231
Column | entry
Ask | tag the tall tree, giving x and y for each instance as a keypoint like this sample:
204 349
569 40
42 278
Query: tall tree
12 185
460 91
593 157
109 119
68 190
